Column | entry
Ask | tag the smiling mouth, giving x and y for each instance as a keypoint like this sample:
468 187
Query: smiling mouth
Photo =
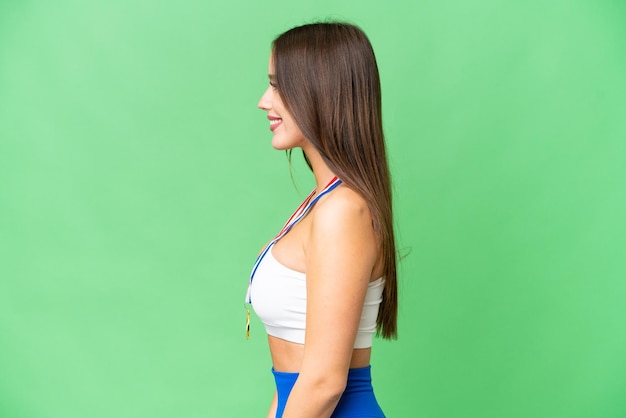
274 123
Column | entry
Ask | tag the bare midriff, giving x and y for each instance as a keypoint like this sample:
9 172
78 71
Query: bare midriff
287 356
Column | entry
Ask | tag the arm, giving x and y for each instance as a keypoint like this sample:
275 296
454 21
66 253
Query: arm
340 254
272 412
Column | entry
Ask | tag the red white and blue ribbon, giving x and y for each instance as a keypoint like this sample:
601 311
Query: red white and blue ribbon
300 213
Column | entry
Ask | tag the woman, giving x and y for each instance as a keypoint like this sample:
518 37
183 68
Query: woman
327 282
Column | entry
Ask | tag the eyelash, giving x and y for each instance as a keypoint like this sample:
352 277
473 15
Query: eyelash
274 85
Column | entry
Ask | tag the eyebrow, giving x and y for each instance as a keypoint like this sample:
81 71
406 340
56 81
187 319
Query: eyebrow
272 77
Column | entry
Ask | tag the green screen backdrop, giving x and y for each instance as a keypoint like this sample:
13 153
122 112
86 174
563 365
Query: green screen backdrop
137 183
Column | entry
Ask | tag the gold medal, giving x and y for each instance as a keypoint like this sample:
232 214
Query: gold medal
247 322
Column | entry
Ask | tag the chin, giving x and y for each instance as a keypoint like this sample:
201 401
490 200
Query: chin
281 146
284 145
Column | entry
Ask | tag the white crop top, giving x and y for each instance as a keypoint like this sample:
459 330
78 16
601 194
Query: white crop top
278 296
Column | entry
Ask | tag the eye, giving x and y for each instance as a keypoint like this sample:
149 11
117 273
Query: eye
273 84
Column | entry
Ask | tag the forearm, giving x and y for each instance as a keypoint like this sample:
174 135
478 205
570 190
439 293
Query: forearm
312 399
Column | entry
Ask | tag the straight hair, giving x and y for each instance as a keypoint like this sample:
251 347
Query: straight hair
327 78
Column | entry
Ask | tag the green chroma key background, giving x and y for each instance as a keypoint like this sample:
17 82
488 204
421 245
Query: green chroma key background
137 184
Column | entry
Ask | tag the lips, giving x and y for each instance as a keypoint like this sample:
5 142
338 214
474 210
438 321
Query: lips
274 122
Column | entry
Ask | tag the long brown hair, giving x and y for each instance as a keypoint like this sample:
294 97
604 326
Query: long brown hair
327 78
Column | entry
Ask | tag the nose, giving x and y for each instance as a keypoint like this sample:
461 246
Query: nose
265 103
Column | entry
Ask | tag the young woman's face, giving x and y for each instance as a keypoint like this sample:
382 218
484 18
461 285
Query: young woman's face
287 134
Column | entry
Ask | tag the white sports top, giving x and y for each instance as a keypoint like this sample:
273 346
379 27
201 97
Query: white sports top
279 299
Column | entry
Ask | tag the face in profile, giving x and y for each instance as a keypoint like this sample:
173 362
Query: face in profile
287 134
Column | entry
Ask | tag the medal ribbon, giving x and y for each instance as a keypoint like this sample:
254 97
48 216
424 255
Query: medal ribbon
302 210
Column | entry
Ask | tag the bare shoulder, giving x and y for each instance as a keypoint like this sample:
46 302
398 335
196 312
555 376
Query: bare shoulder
342 208
343 237
342 221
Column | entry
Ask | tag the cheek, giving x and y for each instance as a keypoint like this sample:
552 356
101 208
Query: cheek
277 101
278 105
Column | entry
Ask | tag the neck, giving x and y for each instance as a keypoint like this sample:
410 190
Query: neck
323 174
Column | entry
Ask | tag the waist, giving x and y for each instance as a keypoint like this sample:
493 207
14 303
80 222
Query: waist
287 356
